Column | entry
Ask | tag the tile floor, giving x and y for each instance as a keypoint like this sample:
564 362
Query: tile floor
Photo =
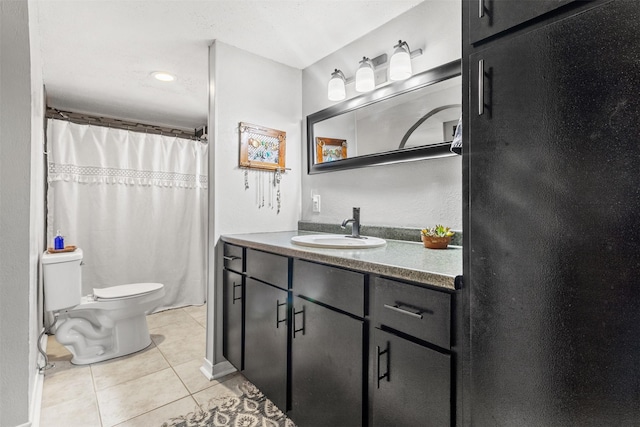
143 389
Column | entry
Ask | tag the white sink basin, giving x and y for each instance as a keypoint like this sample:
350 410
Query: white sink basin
338 241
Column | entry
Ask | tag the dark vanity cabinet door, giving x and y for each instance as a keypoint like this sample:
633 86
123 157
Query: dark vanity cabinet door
233 323
490 17
412 383
327 367
266 332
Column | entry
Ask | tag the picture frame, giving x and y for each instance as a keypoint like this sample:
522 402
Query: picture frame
330 149
262 147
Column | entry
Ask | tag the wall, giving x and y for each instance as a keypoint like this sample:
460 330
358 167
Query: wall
414 194
246 88
21 191
37 215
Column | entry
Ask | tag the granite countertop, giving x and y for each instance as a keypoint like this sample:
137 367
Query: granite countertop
398 259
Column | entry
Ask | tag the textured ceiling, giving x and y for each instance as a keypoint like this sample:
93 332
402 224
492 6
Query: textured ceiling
97 55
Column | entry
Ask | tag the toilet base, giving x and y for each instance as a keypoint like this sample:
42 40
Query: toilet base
92 340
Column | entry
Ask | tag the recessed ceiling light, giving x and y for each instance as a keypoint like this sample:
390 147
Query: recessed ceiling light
163 76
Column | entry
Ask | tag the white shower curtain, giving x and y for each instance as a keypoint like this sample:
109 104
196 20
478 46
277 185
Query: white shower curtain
135 203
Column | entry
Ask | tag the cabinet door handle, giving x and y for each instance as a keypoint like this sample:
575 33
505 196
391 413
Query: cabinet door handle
295 313
480 8
480 86
234 292
230 257
403 311
278 320
386 374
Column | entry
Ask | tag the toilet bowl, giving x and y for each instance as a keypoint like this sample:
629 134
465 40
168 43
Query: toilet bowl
107 324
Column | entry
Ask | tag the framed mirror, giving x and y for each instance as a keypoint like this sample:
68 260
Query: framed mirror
407 120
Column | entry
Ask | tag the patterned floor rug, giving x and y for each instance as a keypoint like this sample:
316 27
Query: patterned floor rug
249 409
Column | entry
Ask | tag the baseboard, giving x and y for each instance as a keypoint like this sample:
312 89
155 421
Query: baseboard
36 398
213 372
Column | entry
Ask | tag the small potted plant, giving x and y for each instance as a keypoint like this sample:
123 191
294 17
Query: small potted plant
437 237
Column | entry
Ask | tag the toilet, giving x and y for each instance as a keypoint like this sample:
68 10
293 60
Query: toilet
110 323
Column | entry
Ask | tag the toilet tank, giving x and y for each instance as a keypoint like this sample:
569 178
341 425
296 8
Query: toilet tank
62 279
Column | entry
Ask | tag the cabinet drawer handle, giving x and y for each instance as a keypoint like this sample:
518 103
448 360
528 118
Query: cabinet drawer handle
480 8
403 311
234 292
230 257
386 374
295 313
480 86
278 320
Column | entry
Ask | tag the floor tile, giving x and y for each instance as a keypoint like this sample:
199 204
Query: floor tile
196 310
168 317
178 351
193 378
207 398
182 407
128 400
66 382
79 412
177 331
123 369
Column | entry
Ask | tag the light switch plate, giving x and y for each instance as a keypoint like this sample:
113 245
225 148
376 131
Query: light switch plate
316 203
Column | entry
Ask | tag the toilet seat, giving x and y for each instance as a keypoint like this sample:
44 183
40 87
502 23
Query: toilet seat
125 291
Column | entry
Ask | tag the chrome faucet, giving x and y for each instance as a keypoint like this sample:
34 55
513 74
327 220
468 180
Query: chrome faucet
355 226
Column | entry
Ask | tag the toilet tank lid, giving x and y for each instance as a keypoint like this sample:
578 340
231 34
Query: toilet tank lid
122 291
54 258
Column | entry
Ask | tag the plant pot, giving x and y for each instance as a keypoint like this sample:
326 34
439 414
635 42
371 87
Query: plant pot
432 242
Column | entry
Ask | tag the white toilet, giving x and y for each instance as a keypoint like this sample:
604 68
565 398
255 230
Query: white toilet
110 323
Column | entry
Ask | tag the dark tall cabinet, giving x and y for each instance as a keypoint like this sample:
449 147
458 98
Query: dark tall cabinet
552 219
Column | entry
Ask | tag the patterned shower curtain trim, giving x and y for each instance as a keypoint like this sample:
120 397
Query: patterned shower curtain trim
100 175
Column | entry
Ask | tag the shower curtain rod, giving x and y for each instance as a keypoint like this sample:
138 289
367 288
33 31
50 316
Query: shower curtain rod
199 134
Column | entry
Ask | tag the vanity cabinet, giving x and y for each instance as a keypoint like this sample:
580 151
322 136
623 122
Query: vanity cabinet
233 307
490 17
327 364
337 347
410 355
266 325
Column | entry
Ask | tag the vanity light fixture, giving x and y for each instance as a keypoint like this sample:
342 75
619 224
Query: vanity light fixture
163 76
400 63
337 86
365 78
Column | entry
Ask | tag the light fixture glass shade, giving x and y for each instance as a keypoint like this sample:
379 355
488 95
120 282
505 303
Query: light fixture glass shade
336 89
400 63
365 78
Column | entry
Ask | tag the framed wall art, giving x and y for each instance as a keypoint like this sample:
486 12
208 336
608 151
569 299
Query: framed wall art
330 149
262 148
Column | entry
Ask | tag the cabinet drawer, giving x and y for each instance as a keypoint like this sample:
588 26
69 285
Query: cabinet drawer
267 267
342 289
420 312
233 257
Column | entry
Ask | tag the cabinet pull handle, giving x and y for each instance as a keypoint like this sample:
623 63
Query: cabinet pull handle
480 8
230 257
480 87
295 313
380 353
403 311
278 320
234 292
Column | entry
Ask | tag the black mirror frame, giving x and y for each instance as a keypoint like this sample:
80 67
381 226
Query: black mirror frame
426 78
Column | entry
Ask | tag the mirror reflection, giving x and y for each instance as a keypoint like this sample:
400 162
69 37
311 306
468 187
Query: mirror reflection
411 120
